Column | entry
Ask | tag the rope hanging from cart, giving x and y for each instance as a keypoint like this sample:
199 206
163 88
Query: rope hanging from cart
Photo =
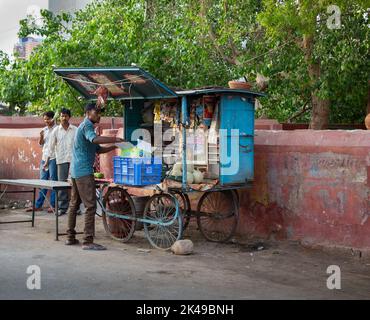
104 86
122 81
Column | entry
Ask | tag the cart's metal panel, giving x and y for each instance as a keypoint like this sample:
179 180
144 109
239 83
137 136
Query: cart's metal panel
122 83
132 117
236 140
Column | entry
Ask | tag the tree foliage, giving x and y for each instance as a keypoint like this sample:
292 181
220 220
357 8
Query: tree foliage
333 64
190 44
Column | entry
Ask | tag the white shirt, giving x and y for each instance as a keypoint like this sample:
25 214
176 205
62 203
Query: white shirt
61 143
45 148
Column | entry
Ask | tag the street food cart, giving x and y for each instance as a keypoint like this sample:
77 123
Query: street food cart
181 142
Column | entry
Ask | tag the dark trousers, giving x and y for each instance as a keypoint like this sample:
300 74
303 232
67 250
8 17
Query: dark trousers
83 189
63 196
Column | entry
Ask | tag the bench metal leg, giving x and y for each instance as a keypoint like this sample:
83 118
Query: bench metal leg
33 207
56 217
18 221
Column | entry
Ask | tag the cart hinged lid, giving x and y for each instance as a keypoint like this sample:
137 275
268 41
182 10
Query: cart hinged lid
219 90
123 83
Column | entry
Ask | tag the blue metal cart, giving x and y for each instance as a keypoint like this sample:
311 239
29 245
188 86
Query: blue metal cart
168 211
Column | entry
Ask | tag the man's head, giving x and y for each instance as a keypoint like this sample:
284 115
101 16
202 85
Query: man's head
65 115
93 112
48 118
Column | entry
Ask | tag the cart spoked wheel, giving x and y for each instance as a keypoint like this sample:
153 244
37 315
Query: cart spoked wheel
162 208
184 204
217 215
118 202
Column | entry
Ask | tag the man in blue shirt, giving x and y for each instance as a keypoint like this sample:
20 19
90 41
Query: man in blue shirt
85 147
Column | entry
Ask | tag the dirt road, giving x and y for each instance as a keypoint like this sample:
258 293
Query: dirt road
281 270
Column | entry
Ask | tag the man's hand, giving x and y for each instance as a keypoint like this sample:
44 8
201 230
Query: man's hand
41 140
45 167
107 149
106 140
118 140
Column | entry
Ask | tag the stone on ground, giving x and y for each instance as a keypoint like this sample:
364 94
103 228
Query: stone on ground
182 247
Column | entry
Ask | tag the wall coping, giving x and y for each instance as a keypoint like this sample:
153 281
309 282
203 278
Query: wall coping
320 138
17 122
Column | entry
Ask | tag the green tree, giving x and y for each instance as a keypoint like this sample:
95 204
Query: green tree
325 53
208 42
290 43
13 84
162 37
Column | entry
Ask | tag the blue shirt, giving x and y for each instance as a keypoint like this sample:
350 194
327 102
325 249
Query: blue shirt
84 150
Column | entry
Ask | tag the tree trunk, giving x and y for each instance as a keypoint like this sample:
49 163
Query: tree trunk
149 9
320 113
320 107
22 110
12 108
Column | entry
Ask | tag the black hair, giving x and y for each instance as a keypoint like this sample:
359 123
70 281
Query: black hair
49 114
90 106
66 111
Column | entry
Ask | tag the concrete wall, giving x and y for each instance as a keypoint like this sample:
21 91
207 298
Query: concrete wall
20 153
312 186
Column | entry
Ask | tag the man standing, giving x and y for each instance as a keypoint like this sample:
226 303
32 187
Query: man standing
61 143
85 147
49 173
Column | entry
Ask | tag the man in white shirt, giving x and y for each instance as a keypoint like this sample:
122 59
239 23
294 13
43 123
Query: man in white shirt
61 144
49 173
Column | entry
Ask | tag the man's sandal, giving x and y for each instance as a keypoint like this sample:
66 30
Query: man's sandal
93 246
71 242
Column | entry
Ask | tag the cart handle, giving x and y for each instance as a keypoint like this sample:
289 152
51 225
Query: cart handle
247 148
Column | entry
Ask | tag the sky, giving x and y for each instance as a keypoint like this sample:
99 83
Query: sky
11 11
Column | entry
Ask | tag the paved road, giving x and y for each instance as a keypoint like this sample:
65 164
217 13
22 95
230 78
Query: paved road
214 271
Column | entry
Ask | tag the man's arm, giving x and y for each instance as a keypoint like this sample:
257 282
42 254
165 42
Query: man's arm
50 148
41 138
91 136
106 149
105 140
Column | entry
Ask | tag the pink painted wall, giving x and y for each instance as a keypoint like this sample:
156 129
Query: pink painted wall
312 186
309 185
20 153
106 159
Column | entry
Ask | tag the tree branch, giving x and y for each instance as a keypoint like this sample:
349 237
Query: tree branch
303 110
232 60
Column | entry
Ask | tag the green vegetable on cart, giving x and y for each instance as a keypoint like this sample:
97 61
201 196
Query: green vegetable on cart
98 175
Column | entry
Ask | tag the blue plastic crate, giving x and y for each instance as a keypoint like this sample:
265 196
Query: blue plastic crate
137 171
